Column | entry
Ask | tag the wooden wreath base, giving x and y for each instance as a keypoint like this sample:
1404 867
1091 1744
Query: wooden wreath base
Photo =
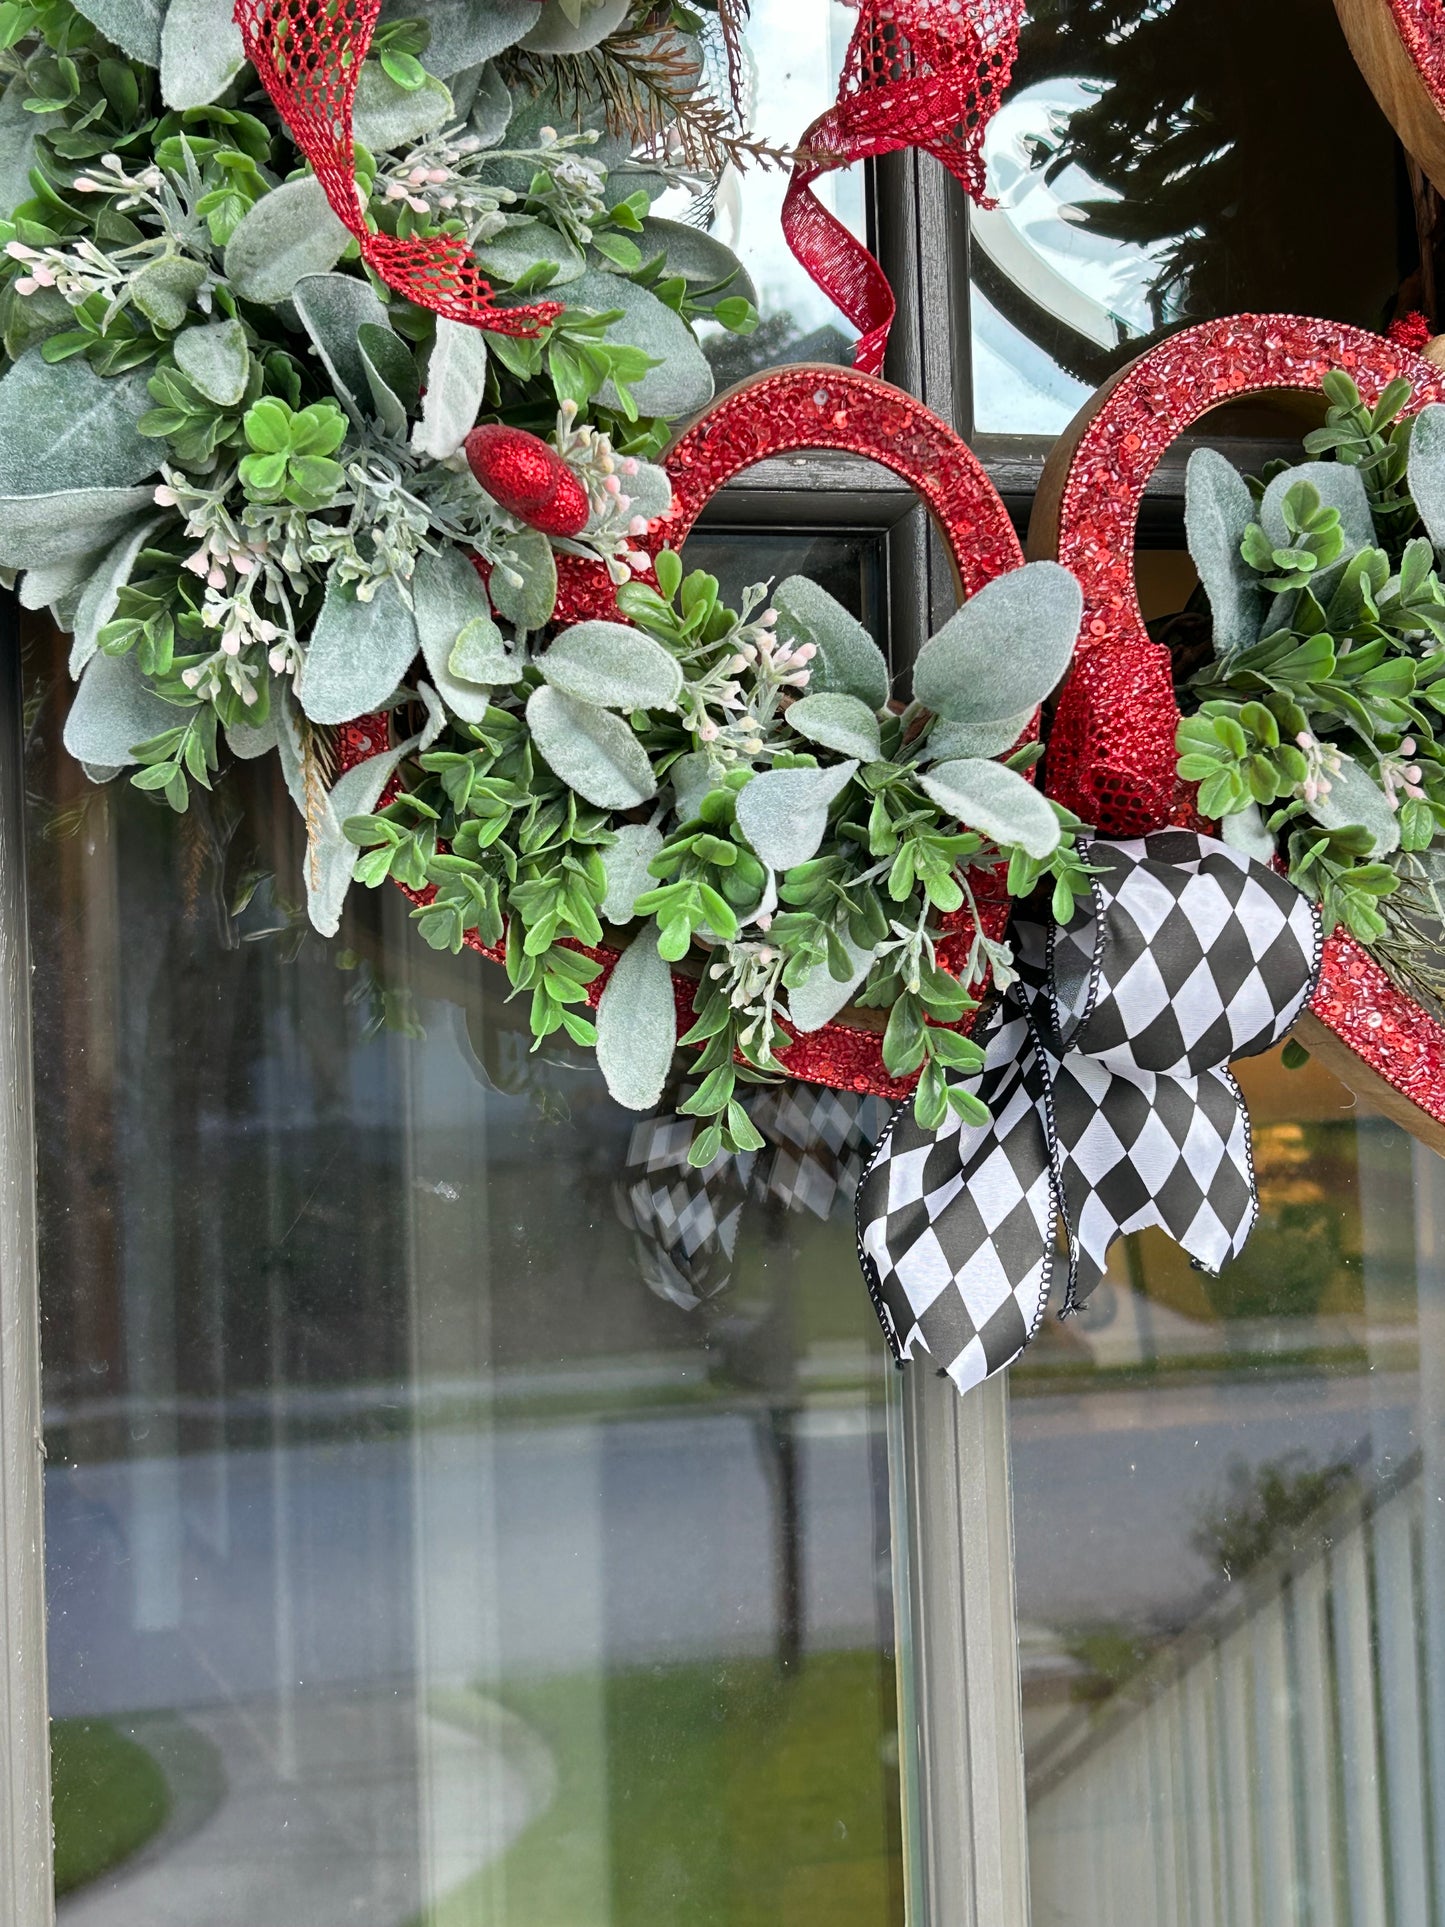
1399 47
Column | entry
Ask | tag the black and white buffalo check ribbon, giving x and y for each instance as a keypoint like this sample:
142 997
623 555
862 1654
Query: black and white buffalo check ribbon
1112 1106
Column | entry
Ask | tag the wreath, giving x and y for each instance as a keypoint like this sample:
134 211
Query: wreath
334 389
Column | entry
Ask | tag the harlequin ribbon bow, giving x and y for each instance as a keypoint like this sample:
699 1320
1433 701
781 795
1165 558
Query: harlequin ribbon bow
309 55
1112 1106
917 73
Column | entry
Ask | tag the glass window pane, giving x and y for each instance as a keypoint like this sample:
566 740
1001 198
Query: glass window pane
792 58
1230 1513
1142 164
425 1543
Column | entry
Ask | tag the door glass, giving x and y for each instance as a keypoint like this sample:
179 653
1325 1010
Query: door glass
1140 164
434 1538
1230 1513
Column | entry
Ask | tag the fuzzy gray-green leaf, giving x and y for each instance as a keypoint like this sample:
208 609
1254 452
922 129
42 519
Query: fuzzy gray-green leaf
333 310
114 710
996 801
818 999
134 25
626 866
682 382
611 665
37 530
359 652
1340 487
448 596
700 258
1005 649
593 751
524 581
389 117
290 232
558 32
201 52
637 1024
1355 798
947 741
456 379
849 662
97 603
838 722
165 289
784 812
465 32
1218 508
1426 474
521 245
215 357
63 426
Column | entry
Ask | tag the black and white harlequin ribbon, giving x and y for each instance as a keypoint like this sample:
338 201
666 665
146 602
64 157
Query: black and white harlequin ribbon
1112 1106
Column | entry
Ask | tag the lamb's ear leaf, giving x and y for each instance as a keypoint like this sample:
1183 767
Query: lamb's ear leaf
456 379
63 426
201 52
783 813
838 722
98 599
215 357
849 662
818 999
612 665
37 530
334 308
1356 799
164 290
288 234
947 741
1218 508
594 752
358 653
681 382
1246 831
637 1024
387 117
995 800
527 602
330 861
1005 649
1426 470
114 709
448 597
557 32
1340 487
390 376
464 33
626 866
134 25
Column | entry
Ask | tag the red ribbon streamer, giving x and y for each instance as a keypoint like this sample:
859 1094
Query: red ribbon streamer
309 54
918 73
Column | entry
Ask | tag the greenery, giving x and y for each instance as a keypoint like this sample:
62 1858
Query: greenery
724 1794
108 1798
1314 728
264 493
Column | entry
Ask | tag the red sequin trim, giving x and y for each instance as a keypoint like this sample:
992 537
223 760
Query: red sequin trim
1422 28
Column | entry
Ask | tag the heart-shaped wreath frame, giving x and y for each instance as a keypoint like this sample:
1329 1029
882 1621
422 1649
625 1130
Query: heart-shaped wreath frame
808 408
1399 46
1111 754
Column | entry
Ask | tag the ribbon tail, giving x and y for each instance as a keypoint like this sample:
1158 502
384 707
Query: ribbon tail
841 267
956 1227
1137 1150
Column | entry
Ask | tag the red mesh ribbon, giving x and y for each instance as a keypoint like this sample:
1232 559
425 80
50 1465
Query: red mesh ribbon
918 73
309 54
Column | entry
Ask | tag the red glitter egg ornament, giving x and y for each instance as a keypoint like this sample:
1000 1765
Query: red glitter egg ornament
529 478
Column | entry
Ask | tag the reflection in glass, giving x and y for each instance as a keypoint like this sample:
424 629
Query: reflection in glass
410 1560
1230 1510
794 54
1142 164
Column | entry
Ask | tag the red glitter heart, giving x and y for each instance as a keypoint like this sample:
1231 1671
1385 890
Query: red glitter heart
1111 750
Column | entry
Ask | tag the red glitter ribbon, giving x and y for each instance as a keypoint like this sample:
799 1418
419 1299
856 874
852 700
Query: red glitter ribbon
918 73
309 54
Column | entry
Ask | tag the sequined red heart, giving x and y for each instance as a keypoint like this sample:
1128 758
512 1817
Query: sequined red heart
1111 750
797 409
